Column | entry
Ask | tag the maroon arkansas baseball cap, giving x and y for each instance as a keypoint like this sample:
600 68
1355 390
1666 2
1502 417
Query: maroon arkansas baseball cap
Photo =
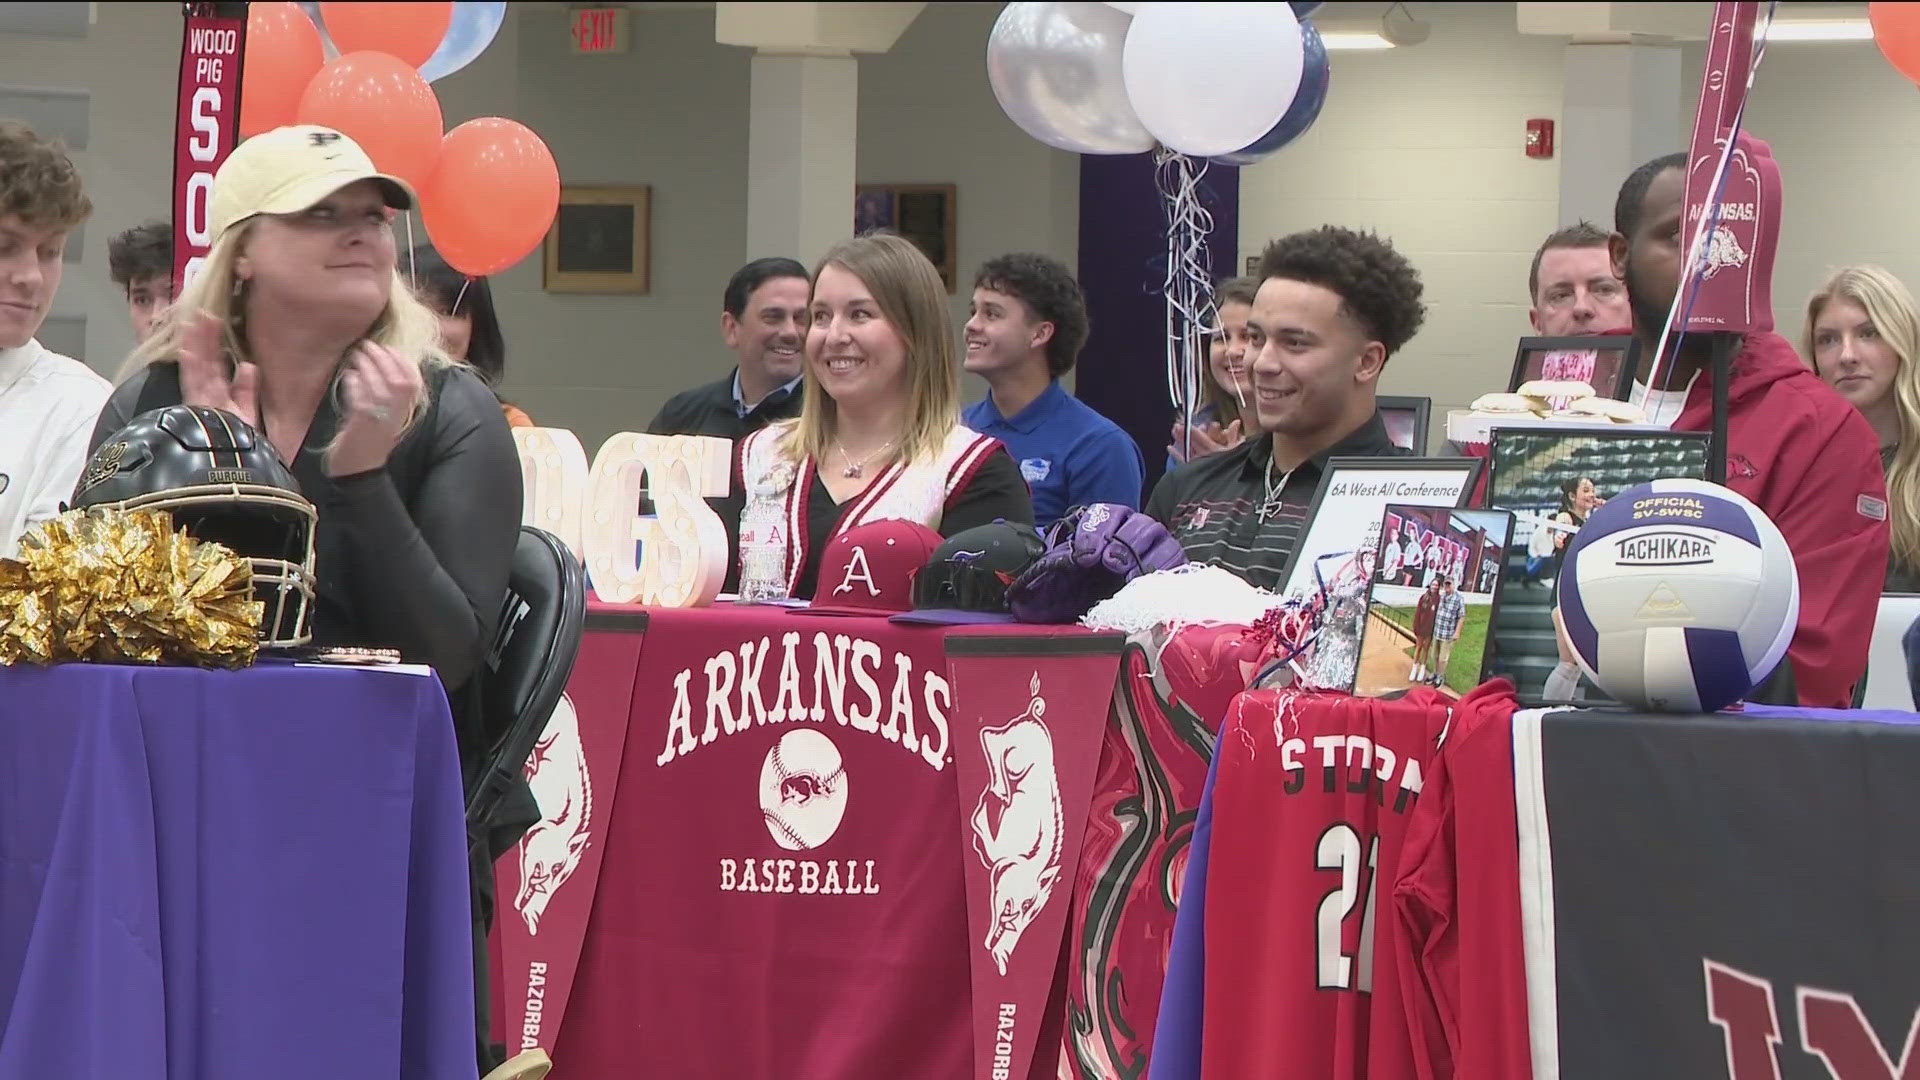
869 569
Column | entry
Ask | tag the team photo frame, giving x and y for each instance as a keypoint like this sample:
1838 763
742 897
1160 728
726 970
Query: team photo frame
1605 362
926 214
1432 600
1406 420
1551 478
1332 564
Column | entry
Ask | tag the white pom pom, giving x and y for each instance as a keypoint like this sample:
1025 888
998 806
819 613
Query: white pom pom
1187 595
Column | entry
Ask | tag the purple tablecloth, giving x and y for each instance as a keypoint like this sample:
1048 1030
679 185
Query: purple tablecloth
1845 716
212 875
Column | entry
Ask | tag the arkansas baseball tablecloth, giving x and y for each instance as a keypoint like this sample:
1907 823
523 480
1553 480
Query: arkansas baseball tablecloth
815 838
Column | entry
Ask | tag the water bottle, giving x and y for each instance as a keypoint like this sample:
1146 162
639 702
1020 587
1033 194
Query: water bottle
763 552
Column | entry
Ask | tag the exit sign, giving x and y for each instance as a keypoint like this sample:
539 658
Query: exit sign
599 30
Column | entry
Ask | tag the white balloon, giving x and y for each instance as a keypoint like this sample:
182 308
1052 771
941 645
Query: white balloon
1055 68
1211 78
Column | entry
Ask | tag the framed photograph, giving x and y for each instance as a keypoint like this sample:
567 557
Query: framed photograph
598 243
1430 621
1605 363
1552 478
1332 562
1887 684
1406 419
926 214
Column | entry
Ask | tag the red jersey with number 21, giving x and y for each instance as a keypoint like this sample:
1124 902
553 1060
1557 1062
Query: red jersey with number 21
1310 803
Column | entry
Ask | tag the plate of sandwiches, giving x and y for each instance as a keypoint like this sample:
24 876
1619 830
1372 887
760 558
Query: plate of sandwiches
1542 403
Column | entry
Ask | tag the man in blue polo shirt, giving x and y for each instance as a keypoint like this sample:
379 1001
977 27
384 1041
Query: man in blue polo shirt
1029 321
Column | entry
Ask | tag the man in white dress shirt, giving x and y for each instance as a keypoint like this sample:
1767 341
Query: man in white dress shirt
48 402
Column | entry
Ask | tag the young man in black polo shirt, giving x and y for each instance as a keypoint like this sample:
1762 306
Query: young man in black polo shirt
1333 305
764 321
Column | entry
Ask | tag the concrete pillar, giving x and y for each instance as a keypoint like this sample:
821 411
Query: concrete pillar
1622 104
803 121
800 150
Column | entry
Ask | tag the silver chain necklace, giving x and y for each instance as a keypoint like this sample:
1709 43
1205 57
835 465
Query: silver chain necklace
855 468
1274 491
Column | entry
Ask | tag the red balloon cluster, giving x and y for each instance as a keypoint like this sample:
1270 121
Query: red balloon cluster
493 196
383 104
488 189
1896 29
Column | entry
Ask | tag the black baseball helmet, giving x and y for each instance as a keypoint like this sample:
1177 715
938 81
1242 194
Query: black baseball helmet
224 484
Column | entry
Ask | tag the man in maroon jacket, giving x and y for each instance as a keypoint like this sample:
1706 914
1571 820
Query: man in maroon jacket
1794 447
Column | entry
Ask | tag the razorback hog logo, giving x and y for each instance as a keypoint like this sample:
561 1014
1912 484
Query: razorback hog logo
1017 825
551 850
1723 251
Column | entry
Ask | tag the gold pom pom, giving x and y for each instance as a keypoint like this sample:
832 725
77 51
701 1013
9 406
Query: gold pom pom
123 587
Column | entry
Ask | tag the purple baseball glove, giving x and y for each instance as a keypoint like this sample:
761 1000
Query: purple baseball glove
1091 553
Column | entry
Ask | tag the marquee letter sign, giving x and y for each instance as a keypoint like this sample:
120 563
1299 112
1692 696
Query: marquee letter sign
682 546
553 479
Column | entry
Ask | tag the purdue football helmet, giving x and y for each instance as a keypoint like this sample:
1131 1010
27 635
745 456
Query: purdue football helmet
222 483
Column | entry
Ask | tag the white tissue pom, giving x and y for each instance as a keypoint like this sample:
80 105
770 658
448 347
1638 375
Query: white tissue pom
1188 595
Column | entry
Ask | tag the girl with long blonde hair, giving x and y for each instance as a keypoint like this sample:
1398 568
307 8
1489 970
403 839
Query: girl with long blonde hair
1863 338
879 435
297 325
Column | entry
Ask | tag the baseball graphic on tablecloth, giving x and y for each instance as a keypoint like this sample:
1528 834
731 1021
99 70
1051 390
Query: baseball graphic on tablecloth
803 790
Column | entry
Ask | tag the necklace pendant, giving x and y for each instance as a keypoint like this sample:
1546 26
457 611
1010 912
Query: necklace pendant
852 472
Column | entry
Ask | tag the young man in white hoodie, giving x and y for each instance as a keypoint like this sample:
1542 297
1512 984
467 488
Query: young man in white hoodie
48 402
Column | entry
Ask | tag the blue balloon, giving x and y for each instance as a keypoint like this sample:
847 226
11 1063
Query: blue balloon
1315 76
468 35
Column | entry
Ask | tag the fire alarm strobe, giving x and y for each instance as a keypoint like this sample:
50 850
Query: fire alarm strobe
1539 138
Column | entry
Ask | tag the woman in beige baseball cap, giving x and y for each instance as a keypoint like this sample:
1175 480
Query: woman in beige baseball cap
297 323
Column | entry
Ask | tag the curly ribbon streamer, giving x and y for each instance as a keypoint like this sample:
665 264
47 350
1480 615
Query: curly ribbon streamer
1191 316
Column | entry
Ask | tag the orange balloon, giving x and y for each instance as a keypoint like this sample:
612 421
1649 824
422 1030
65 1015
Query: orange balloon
410 31
1896 29
493 196
382 104
283 55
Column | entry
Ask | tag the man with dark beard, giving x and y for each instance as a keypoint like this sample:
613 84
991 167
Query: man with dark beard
1794 447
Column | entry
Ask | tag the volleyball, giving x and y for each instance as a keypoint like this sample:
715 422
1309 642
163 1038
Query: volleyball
1678 596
